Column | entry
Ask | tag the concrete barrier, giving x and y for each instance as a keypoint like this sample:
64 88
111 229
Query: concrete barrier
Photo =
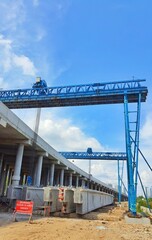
87 200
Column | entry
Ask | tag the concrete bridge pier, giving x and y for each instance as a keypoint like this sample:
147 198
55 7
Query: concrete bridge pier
61 177
83 183
52 169
70 180
37 180
77 181
18 164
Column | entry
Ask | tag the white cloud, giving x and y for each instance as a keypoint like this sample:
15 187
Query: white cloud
146 148
3 84
146 131
146 177
11 61
12 14
25 64
63 135
6 52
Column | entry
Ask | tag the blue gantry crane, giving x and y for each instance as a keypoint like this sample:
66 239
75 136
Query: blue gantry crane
90 155
124 92
75 95
96 155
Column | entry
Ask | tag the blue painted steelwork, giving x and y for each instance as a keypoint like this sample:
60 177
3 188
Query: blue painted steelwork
132 145
143 156
39 83
92 94
95 155
75 95
122 183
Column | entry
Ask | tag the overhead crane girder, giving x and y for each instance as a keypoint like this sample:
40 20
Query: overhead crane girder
125 92
75 95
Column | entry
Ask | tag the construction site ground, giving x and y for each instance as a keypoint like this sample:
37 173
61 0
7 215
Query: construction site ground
106 223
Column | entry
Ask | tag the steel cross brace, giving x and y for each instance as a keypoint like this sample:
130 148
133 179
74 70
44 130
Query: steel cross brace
132 150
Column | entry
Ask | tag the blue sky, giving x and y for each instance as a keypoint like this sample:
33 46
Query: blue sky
75 42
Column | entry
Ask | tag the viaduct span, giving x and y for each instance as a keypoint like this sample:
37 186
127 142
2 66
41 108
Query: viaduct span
124 92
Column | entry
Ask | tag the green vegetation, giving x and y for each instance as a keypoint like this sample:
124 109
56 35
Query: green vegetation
141 201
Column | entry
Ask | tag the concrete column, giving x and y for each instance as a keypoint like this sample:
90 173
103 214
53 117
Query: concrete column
70 180
66 182
77 181
48 176
99 188
88 184
44 176
92 186
61 177
18 164
57 178
96 187
52 174
83 183
39 171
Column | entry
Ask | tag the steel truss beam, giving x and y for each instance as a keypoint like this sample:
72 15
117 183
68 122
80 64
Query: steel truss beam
95 155
75 95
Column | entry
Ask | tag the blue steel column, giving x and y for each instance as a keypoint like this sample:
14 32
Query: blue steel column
131 188
136 144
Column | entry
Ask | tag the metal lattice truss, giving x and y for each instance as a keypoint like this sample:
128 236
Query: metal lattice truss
95 155
76 95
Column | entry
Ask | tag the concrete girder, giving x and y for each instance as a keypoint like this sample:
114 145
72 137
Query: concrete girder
88 200
3 122
13 141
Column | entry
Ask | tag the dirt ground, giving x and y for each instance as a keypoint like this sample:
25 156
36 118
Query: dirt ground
103 224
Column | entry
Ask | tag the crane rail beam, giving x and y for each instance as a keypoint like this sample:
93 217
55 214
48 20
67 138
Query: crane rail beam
76 95
95 155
